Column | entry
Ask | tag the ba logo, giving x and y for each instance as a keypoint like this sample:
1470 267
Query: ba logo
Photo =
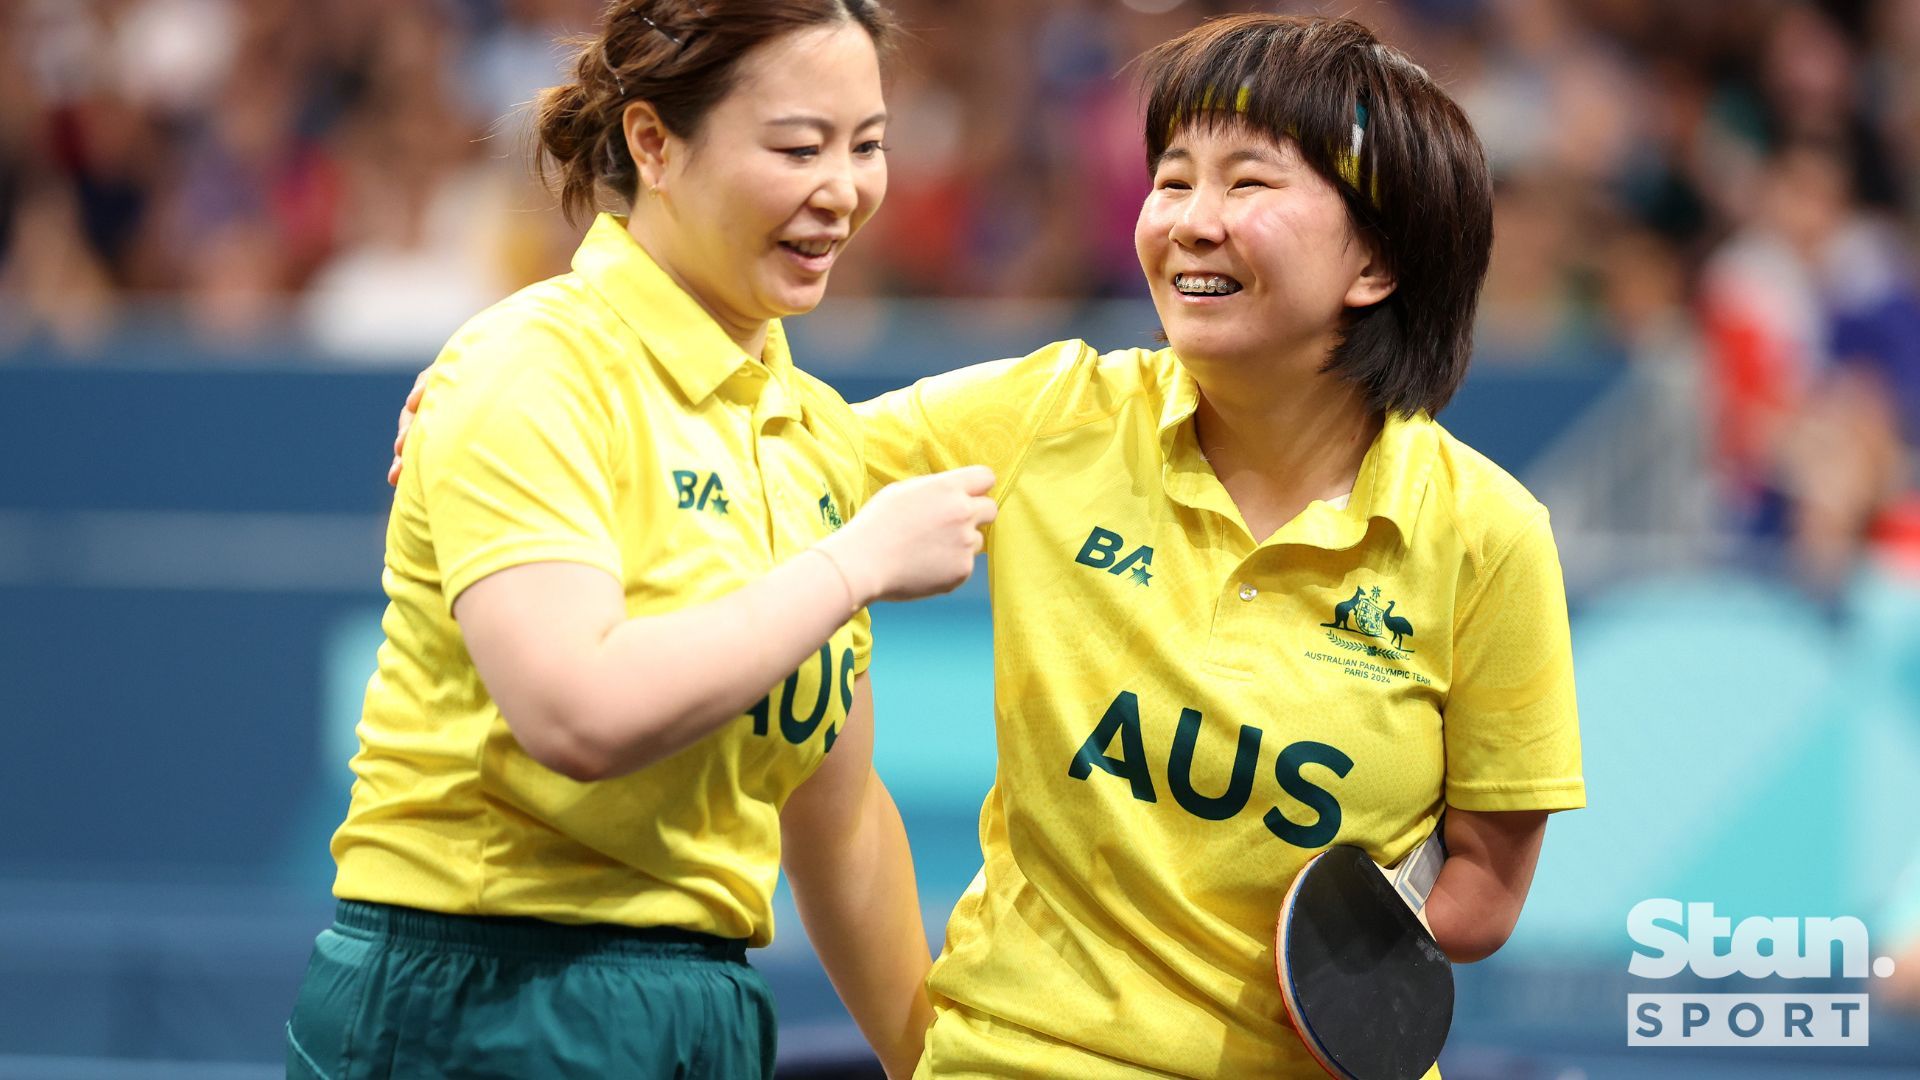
829 512
696 494
1362 614
1102 552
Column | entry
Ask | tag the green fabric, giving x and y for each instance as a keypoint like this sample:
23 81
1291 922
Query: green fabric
393 992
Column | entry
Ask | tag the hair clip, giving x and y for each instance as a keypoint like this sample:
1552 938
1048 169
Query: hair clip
613 71
656 29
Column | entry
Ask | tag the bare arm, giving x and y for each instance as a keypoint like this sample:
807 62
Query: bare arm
1477 899
846 856
591 693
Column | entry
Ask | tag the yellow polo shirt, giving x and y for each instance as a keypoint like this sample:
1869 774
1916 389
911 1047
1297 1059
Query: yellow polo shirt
600 417
1184 714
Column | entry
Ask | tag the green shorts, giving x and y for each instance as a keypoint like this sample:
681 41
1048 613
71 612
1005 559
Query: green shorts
397 992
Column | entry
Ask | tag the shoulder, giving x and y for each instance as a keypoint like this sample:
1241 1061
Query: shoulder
1487 509
556 323
1016 380
547 350
1014 393
1083 385
552 348
1090 386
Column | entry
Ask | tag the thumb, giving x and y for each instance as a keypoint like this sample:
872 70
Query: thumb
973 479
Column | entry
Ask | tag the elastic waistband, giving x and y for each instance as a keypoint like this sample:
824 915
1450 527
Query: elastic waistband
531 937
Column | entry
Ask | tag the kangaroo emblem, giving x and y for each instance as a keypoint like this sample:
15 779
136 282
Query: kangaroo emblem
1344 610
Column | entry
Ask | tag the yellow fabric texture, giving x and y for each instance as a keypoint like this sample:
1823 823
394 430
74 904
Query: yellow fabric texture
1185 715
600 417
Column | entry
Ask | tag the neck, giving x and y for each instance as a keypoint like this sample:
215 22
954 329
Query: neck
1279 443
647 229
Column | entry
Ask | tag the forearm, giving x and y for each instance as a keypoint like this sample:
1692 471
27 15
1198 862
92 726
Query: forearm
1482 886
650 686
592 693
1468 911
857 895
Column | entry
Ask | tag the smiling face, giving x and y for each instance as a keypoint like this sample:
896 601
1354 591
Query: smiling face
753 211
1251 255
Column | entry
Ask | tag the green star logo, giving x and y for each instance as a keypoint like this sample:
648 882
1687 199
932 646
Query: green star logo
720 505
1140 575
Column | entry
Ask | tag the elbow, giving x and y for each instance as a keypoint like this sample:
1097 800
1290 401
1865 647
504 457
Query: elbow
570 742
575 764
1475 941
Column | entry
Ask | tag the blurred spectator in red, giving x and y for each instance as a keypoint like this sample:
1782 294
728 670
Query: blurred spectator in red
1813 325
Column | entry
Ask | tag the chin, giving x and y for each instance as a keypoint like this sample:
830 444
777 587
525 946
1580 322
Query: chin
1207 343
789 299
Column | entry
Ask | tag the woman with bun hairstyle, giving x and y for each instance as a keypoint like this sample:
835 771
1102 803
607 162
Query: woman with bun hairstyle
624 675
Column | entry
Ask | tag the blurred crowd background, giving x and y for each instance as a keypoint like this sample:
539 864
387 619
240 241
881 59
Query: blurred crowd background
1725 186
231 230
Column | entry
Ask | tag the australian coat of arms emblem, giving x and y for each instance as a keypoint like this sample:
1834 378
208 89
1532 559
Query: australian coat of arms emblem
1363 614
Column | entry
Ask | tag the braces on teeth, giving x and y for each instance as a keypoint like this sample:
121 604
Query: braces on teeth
1211 285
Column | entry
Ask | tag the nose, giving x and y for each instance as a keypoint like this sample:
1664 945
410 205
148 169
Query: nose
835 194
1198 222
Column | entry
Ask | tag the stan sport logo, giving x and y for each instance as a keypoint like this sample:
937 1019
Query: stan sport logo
1672 938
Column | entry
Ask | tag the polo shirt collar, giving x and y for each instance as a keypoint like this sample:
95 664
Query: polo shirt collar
1394 476
1391 485
1185 473
689 345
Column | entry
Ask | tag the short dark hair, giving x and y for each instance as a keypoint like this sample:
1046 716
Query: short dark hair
682 57
1420 188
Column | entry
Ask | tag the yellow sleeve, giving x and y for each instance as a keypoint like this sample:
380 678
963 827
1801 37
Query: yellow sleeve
986 414
1511 724
862 642
515 462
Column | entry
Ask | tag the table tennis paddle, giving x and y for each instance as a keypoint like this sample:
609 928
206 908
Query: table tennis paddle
1366 987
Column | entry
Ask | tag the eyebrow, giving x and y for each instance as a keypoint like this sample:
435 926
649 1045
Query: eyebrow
822 124
1248 153
1255 153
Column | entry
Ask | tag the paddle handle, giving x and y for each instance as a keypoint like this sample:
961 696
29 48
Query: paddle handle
1412 878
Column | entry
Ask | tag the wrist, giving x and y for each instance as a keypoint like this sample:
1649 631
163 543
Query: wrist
859 590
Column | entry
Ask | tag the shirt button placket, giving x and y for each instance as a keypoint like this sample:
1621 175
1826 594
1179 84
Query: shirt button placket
1235 641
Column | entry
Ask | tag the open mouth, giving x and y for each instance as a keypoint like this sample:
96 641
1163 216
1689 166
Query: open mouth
1205 285
811 258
